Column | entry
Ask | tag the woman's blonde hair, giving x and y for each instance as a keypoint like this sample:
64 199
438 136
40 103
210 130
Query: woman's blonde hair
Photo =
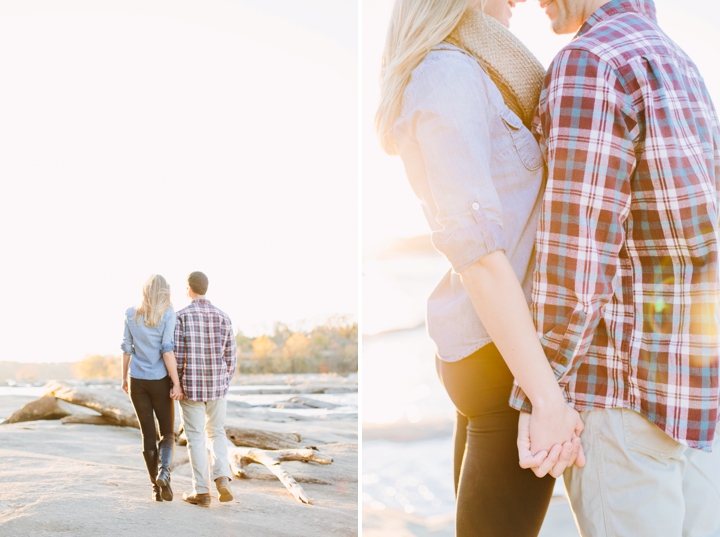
156 299
416 26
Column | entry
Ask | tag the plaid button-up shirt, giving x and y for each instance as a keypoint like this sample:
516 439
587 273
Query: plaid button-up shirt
205 351
626 284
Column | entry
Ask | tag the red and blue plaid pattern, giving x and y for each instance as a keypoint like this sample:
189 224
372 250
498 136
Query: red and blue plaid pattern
626 284
205 351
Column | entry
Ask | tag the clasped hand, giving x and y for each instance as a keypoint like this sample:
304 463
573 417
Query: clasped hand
177 393
554 437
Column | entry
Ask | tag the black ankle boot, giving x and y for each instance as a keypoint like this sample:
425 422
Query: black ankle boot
163 478
151 462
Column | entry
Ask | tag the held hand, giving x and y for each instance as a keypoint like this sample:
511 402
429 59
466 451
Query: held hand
557 459
125 385
552 425
177 393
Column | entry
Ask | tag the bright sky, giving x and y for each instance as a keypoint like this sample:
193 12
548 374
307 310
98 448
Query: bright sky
390 209
156 136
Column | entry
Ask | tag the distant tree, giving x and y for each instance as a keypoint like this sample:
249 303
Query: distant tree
97 367
281 333
297 346
28 373
263 347
244 344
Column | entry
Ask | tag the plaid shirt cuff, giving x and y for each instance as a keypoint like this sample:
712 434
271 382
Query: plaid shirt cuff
518 399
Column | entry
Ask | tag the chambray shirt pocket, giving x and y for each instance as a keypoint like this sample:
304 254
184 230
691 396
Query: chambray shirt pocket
523 140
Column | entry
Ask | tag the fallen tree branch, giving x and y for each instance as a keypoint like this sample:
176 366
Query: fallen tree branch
242 457
256 438
109 403
89 420
45 408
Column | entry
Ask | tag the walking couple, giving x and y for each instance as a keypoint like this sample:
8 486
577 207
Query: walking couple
591 193
189 357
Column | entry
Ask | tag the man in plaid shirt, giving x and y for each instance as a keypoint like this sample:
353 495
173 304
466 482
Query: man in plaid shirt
626 284
206 357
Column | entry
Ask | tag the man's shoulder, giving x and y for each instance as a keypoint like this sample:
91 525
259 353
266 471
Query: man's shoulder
621 38
184 311
204 308
220 313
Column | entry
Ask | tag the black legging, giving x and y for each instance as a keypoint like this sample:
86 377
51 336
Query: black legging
154 395
495 497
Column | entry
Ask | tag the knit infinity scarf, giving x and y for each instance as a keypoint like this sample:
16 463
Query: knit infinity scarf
511 66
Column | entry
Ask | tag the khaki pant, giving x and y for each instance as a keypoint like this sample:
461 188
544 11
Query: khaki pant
640 482
201 420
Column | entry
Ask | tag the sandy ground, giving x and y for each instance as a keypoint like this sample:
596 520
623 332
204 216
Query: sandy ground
85 480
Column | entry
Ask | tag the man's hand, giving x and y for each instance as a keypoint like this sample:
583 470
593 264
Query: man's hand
177 392
555 424
557 458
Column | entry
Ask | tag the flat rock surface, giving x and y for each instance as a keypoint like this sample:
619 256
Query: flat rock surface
86 480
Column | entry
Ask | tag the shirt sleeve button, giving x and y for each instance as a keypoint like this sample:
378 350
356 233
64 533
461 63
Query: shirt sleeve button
475 206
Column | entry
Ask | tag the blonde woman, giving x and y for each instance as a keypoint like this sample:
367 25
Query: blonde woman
152 382
458 92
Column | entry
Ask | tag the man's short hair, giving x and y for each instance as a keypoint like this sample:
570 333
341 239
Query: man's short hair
198 282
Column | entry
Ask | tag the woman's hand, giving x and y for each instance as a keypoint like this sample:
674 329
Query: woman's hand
125 385
555 459
177 392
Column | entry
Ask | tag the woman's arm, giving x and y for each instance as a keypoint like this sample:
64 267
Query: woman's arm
171 366
125 368
448 113
500 303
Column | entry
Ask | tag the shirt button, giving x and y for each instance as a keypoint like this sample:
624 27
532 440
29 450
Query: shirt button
475 206
563 361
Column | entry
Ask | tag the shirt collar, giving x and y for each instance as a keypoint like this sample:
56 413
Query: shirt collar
200 300
615 7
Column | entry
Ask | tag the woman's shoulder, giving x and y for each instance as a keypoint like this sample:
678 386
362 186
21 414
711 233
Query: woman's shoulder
130 312
447 60
445 69
169 313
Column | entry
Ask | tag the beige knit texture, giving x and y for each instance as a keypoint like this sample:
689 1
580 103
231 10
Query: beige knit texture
511 66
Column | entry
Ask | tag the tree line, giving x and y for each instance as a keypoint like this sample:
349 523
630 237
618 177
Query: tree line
331 348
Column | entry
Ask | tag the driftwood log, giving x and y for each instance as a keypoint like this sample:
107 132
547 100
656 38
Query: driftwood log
116 407
253 438
242 457
88 419
45 408
256 438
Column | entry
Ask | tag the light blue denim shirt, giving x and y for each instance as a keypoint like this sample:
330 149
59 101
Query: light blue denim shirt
479 175
146 344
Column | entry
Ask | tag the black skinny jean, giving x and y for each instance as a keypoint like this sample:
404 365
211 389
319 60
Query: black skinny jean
495 497
150 396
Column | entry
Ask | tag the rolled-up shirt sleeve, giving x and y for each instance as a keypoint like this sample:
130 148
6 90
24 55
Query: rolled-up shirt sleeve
168 335
450 113
127 342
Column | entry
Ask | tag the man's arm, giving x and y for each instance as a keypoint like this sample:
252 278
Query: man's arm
180 350
230 350
589 125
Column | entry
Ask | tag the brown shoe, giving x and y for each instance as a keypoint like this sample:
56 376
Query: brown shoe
197 499
223 486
